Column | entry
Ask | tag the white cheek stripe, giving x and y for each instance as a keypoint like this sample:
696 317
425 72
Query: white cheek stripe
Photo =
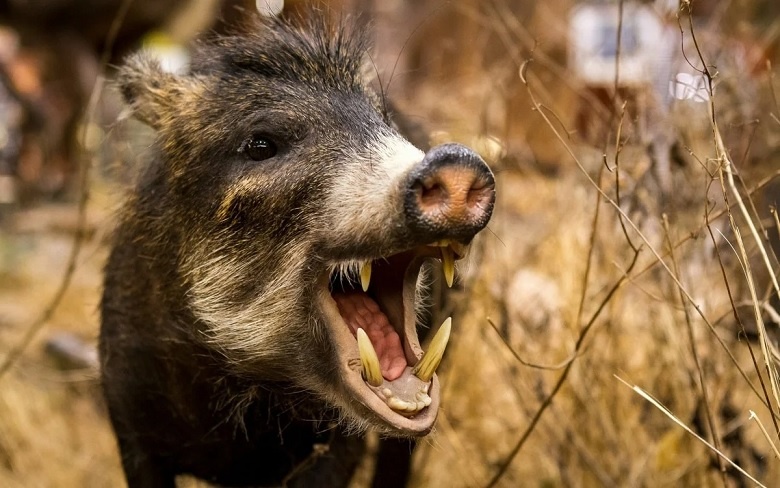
396 156
368 194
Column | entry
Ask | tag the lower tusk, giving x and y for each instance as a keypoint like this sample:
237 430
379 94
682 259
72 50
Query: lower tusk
431 360
372 372
365 275
448 265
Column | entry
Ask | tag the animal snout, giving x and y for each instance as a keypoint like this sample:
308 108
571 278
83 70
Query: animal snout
450 194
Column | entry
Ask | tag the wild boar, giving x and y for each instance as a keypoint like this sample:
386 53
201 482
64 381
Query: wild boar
261 296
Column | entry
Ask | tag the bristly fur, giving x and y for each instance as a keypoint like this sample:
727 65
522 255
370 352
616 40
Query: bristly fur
216 348
317 52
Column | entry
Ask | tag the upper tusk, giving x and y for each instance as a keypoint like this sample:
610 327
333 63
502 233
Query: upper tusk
431 360
365 275
448 265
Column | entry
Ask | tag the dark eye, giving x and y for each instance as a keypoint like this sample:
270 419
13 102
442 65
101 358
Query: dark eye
259 148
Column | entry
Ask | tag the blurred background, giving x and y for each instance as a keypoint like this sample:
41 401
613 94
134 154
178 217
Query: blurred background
633 250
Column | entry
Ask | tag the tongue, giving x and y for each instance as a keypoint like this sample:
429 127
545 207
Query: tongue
359 311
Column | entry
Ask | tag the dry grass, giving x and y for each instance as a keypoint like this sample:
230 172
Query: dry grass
53 428
575 308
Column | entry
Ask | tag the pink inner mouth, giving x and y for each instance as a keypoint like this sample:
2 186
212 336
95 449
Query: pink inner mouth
360 311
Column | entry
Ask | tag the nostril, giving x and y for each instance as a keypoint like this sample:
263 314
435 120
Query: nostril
452 193
433 193
480 184
479 195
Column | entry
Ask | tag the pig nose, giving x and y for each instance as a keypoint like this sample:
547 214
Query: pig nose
450 194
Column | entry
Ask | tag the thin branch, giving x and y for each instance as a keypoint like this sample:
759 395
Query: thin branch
753 416
618 149
78 240
726 173
522 361
591 250
693 234
695 352
512 32
677 421
766 400
561 379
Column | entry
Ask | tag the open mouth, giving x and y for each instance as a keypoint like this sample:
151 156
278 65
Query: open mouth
370 309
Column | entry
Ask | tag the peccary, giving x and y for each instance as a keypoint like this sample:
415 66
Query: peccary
260 299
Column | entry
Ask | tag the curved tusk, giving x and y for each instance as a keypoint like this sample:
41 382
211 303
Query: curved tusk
372 372
431 360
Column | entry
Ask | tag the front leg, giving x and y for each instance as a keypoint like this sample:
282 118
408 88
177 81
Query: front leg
330 464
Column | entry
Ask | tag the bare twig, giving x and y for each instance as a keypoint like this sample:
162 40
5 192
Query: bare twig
512 32
773 211
771 75
78 240
561 379
754 417
726 173
765 399
695 353
618 149
591 249
616 95
693 234
677 421
658 258
510 457
522 361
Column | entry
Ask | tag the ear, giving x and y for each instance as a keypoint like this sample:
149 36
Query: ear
155 95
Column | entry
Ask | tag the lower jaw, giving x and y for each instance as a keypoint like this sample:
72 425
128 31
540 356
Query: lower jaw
357 398
366 405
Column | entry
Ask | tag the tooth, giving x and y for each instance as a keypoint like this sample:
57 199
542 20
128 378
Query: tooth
372 372
430 361
396 404
423 399
448 264
365 275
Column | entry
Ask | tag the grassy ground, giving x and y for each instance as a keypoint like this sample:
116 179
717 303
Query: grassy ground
54 430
